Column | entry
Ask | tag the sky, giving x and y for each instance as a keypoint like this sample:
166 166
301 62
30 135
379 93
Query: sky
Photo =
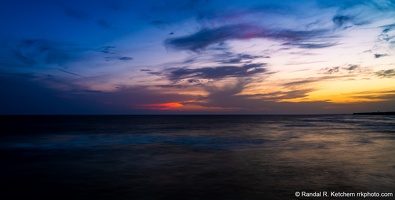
197 56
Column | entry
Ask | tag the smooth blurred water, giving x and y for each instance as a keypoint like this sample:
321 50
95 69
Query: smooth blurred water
194 157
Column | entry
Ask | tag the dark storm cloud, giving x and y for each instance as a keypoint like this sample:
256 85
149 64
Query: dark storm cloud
216 72
389 73
38 51
207 36
377 55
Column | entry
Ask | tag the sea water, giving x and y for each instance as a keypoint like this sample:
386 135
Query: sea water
195 157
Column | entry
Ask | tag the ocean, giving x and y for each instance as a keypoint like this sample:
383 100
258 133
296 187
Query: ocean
196 156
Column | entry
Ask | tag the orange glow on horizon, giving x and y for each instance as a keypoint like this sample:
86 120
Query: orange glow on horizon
183 107
161 106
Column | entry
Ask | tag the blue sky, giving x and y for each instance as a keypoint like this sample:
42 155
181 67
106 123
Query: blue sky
184 57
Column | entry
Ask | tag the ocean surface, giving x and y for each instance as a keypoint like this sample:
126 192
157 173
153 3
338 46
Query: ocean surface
195 157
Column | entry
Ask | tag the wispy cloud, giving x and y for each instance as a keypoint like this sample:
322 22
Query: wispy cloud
308 81
230 97
341 20
208 36
106 49
238 55
176 74
351 67
68 72
375 95
39 51
114 55
347 69
45 98
387 35
389 73
310 45
226 97
121 58
378 55
231 58
330 70
125 58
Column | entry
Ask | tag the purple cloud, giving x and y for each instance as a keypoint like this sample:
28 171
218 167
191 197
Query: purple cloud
246 70
206 36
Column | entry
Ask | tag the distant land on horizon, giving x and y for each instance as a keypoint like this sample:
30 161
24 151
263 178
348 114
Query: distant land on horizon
375 113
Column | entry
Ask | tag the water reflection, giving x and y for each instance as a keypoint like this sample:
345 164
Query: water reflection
232 157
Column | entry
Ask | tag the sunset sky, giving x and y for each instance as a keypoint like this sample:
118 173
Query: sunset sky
197 56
